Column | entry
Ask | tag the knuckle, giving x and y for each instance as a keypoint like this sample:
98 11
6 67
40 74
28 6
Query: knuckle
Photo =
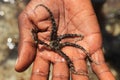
60 76
40 73
22 16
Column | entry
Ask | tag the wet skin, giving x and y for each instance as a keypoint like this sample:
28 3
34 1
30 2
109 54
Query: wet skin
55 44
70 17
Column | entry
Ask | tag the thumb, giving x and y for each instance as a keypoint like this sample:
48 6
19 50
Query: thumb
26 48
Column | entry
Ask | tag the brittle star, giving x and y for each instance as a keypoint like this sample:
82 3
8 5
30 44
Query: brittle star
55 42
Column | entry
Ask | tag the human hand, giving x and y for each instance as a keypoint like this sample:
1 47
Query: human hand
71 17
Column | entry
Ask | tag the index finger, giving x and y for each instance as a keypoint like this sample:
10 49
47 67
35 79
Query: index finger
26 48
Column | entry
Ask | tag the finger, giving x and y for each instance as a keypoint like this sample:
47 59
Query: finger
26 48
81 67
60 71
40 69
101 69
79 63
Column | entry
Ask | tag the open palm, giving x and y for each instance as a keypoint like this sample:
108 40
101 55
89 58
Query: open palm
71 17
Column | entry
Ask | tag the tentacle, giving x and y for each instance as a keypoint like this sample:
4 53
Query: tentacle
70 36
35 37
70 63
34 34
43 43
76 46
54 26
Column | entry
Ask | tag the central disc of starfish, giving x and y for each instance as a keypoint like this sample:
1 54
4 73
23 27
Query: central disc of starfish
54 44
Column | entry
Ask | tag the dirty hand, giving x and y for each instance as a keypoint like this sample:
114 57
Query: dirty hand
71 16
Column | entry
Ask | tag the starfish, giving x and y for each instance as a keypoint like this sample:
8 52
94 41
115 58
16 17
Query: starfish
55 42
